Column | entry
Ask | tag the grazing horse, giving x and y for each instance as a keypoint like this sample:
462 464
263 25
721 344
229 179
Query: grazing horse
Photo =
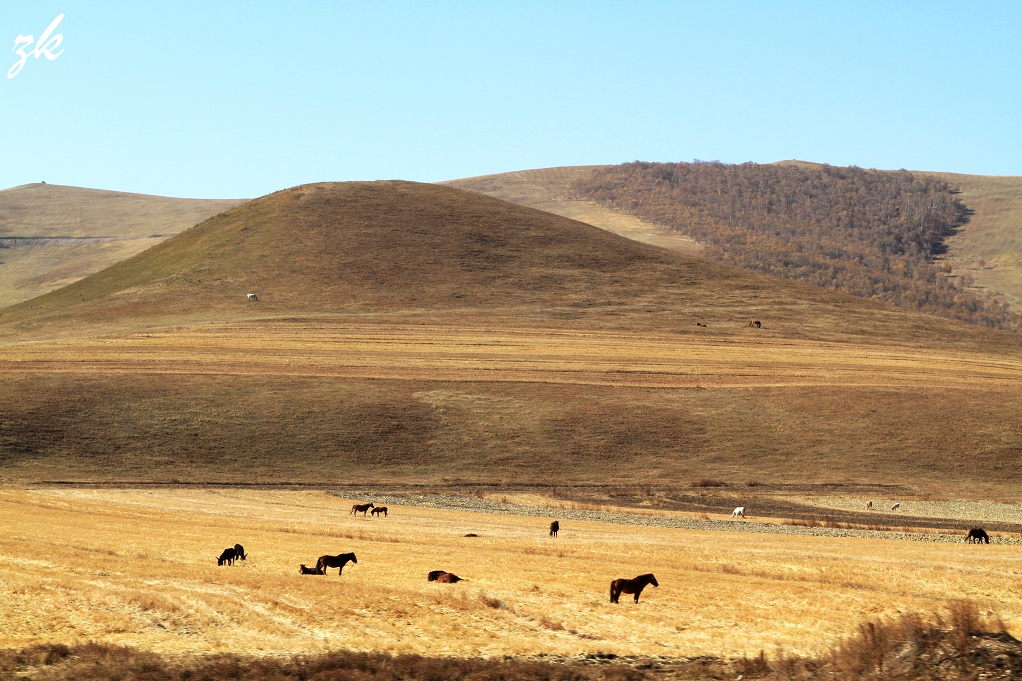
338 562
740 511
869 505
896 506
227 556
360 508
379 509
239 551
977 536
310 571
555 526
448 578
756 324
631 586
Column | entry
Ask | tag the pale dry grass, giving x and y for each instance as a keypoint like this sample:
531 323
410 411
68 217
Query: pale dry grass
138 567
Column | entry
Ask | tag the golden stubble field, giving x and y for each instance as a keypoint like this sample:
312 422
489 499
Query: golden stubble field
138 567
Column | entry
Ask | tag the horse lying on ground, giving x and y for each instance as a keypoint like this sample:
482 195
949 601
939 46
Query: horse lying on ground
360 508
977 535
441 577
310 571
338 561
631 586
227 556
379 509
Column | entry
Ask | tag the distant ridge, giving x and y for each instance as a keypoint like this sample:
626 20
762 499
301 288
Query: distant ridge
52 235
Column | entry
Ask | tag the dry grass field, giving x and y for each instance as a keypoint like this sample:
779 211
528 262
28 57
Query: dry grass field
138 567
422 336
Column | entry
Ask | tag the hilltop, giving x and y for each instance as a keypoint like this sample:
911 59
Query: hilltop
52 235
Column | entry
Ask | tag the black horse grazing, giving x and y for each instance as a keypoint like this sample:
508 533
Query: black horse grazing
631 586
310 571
227 556
338 562
977 536
378 510
555 526
239 551
360 508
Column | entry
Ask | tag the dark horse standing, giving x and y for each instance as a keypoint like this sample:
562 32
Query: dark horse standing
631 586
977 535
555 526
338 562
360 508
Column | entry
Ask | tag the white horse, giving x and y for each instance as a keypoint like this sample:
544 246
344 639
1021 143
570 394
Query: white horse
740 511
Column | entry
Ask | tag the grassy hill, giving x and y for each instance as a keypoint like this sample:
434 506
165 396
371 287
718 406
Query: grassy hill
422 333
51 235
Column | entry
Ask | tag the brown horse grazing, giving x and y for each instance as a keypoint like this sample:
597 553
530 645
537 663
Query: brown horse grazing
378 510
631 586
360 508
449 578
310 571
977 536
338 561
555 527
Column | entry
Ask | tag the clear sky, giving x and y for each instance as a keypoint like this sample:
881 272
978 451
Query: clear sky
237 99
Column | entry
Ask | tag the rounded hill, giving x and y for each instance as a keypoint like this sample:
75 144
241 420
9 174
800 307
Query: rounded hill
361 246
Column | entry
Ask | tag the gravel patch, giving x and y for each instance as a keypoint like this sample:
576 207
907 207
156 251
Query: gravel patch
459 502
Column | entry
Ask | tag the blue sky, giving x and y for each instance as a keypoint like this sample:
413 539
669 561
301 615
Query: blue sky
239 99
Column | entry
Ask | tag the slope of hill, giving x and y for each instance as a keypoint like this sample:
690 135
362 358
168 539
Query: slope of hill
51 235
550 190
989 248
421 333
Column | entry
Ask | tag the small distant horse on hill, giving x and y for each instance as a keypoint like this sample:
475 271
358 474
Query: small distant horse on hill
303 570
978 535
896 506
555 527
338 561
631 586
378 510
227 556
360 508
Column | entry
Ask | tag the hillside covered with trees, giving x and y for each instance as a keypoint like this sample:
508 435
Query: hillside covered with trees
873 234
